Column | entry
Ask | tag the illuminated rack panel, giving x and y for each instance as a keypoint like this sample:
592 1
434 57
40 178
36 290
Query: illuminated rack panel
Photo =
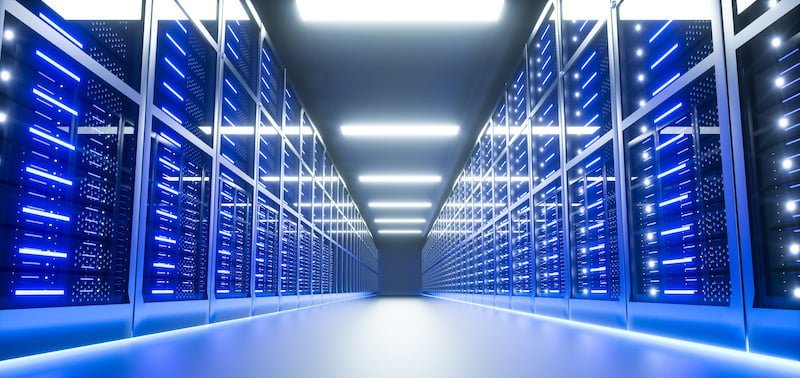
291 178
267 247
306 192
488 206
288 254
115 44
678 226
519 170
241 41
587 93
291 117
307 142
489 261
521 249
269 158
517 97
236 131
176 254
185 73
542 59
67 208
655 51
498 129
501 183
769 79
234 224
578 18
327 267
545 137
503 255
548 237
480 257
316 263
304 260
593 212
271 86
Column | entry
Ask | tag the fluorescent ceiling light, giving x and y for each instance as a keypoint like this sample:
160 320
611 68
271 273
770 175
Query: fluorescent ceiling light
397 130
400 220
400 179
400 205
400 10
400 232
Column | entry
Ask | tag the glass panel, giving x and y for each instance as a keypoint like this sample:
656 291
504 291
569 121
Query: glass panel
307 142
658 44
501 183
521 249
271 83
316 264
269 158
545 136
678 226
237 131
288 254
233 237
517 100
291 118
67 210
306 193
579 17
489 204
747 11
185 73
304 260
520 167
499 129
111 33
588 97
267 247
480 274
595 250
241 41
770 96
204 11
502 244
291 179
489 262
548 231
176 255
542 61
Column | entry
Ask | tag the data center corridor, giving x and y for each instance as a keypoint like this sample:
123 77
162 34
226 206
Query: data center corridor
399 188
398 337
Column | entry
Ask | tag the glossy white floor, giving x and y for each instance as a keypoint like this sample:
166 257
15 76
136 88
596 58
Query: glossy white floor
397 337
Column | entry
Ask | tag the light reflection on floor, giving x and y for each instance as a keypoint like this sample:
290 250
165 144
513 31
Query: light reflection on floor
395 337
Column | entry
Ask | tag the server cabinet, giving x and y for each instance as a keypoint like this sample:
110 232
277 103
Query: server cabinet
596 265
242 36
288 275
291 117
266 260
237 130
270 153
271 85
231 275
291 178
545 140
551 262
316 267
517 98
683 240
763 63
504 262
70 142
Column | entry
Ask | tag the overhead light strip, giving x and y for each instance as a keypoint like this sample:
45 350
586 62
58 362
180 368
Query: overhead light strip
400 220
400 131
400 205
377 11
400 179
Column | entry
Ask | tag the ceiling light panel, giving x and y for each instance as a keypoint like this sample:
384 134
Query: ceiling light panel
400 179
400 131
374 11
400 232
399 220
400 205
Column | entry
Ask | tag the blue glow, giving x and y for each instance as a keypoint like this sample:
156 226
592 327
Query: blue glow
664 56
660 30
58 66
61 30
177 46
55 102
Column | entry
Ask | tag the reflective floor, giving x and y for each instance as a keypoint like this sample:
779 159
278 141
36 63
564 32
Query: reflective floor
397 337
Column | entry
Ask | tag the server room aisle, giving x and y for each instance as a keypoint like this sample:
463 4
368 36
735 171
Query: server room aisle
397 337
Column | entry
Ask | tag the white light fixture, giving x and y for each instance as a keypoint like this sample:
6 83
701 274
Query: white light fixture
400 220
400 10
399 179
400 205
400 131
400 232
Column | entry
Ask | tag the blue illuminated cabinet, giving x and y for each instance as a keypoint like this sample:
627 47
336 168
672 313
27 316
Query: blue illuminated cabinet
157 175
651 178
